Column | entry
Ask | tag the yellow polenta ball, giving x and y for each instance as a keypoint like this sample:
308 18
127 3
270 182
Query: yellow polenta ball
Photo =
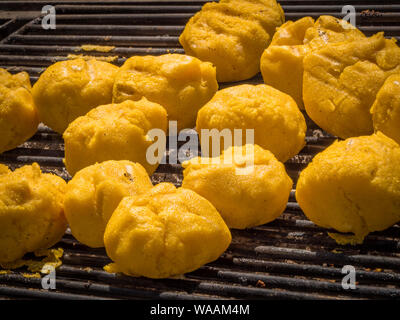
95 192
282 62
4 169
232 34
18 114
31 211
386 108
113 132
164 232
180 83
247 185
278 124
69 89
342 80
353 187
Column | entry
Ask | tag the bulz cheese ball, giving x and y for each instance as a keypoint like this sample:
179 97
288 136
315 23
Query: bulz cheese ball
341 82
278 124
282 62
95 192
69 89
244 199
164 232
353 187
18 114
31 211
386 108
180 83
232 34
113 132
3 169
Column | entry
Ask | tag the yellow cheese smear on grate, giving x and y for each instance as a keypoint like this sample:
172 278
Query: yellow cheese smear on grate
85 57
90 47
51 260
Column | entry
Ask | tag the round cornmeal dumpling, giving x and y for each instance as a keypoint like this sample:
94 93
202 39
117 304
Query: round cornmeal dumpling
232 34
69 89
4 169
180 83
113 132
247 186
165 232
278 124
282 62
18 114
353 187
341 82
31 211
95 192
386 108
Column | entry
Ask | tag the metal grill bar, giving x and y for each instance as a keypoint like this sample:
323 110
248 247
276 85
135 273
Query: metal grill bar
35 4
13 292
328 257
95 9
181 18
301 284
137 41
155 30
110 29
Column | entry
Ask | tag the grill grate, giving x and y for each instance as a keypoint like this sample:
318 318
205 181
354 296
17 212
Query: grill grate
290 258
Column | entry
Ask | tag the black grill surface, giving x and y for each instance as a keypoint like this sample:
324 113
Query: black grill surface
290 258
